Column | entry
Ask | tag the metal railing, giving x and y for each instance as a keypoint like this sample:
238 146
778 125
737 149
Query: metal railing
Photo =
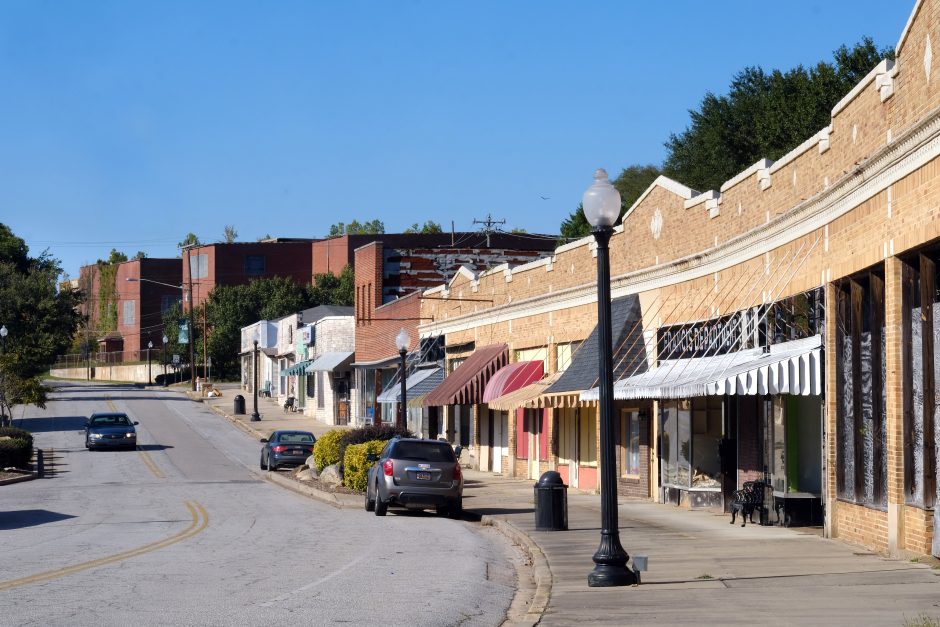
78 360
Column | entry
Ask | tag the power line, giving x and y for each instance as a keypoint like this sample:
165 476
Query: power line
488 225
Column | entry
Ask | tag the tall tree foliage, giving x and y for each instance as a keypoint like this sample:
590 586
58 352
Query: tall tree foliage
40 319
764 114
231 307
370 227
631 182
430 226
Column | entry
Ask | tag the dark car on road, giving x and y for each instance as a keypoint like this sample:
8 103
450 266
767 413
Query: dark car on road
286 447
110 430
416 474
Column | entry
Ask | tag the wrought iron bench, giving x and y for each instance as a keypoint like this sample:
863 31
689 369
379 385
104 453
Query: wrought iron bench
747 500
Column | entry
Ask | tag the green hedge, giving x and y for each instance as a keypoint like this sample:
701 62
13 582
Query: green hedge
356 465
327 450
369 433
17 451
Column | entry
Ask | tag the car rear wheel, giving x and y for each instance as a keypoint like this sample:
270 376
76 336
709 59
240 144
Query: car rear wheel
381 507
271 466
370 503
261 463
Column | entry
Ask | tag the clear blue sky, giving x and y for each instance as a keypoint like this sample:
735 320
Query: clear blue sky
129 124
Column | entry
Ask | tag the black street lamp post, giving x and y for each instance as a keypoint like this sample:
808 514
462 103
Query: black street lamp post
255 417
165 340
149 371
401 342
602 208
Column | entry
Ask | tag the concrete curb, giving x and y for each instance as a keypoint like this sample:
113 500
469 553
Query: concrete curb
334 500
25 477
542 572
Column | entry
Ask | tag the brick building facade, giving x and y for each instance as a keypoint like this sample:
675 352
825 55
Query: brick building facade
829 253
135 307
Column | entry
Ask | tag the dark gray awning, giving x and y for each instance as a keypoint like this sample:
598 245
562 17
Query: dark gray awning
418 383
629 350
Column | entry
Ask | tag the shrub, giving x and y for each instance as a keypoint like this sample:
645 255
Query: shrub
16 433
356 465
371 433
326 451
15 452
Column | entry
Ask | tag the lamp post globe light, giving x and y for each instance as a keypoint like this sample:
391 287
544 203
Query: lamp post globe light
3 335
601 204
402 341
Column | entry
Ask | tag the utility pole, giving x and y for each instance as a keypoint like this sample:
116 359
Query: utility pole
488 225
192 327
205 337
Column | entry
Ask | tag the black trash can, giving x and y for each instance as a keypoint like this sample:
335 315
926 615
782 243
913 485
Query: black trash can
239 404
551 503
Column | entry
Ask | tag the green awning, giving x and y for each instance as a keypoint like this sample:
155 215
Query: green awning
296 369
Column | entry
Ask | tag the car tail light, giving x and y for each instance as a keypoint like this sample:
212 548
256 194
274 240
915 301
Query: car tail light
280 448
457 474
388 467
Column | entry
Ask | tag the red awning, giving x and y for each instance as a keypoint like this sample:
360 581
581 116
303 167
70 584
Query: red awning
465 385
512 377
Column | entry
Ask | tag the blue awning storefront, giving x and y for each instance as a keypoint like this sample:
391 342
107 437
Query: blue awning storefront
417 384
328 362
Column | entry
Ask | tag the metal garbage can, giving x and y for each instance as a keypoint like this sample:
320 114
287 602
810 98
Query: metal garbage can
551 503
239 404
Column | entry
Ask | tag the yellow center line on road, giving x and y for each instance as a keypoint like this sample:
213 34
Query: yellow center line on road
200 520
148 462
151 465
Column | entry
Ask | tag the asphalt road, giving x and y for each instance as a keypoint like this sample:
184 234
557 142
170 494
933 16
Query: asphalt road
184 531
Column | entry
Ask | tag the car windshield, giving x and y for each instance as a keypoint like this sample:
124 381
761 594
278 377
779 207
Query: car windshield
110 421
302 438
424 452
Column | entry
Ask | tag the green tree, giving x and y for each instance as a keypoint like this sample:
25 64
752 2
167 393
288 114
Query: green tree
764 114
41 318
190 240
140 255
430 226
329 289
631 182
229 234
373 227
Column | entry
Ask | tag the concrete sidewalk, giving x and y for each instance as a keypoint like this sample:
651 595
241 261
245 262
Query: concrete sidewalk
701 568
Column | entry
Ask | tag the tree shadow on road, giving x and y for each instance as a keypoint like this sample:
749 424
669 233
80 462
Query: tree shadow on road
46 424
29 518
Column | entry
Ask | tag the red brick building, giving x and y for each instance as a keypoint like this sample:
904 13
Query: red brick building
240 262
391 273
122 316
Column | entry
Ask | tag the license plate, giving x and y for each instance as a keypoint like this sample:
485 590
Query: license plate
298 451
423 476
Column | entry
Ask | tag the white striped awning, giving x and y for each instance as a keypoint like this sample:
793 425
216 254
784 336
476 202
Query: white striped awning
793 367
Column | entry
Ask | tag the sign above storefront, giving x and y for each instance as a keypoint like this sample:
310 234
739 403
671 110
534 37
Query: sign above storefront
717 336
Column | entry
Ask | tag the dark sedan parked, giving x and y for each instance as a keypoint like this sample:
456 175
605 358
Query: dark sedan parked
110 430
286 447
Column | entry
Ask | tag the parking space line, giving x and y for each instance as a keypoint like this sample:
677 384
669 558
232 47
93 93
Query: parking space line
200 520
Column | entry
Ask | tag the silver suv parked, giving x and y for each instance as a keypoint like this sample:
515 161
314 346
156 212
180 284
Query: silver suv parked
416 474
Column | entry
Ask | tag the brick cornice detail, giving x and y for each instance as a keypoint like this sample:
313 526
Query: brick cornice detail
904 155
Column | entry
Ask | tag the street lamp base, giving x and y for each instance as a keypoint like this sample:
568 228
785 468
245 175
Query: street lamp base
255 417
608 576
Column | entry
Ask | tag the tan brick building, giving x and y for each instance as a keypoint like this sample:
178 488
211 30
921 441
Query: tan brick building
783 330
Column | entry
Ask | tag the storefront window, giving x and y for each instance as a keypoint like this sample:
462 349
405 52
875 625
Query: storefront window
587 438
920 342
706 433
668 455
630 436
860 373
690 435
